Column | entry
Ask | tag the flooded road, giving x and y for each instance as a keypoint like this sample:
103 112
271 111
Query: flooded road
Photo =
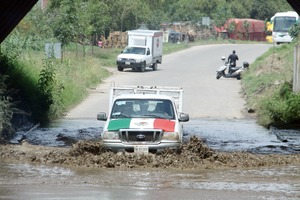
227 135
243 135
35 182
30 182
223 135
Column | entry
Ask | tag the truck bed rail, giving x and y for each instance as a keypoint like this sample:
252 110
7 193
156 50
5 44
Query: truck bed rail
175 92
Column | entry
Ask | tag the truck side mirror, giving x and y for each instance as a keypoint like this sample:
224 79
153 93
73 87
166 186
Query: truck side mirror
101 116
148 52
183 117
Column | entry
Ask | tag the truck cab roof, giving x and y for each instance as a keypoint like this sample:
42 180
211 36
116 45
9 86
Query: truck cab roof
143 96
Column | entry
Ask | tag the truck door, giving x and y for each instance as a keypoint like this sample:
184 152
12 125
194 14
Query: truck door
148 57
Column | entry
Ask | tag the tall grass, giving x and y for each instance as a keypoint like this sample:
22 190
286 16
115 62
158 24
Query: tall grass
46 87
6 110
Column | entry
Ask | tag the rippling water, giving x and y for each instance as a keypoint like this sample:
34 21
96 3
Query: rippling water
35 182
219 134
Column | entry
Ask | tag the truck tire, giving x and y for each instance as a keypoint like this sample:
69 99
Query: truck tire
120 68
142 69
154 66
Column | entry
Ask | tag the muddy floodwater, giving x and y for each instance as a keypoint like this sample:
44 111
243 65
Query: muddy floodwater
25 181
242 161
219 134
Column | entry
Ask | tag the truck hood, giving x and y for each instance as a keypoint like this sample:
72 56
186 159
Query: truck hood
130 56
141 123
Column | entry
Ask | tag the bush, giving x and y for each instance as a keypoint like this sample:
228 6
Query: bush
283 107
7 109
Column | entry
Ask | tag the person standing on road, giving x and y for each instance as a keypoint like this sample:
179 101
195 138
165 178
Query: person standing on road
232 58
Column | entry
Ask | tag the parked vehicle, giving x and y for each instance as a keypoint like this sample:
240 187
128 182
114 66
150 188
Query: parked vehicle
144 50
143 119
234 72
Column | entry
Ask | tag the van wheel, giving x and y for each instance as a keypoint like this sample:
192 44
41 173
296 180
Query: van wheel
154 66
120 68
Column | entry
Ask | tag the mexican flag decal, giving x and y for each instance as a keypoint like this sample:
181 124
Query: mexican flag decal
138 123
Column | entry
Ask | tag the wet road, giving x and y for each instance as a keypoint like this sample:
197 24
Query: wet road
30 182
216 117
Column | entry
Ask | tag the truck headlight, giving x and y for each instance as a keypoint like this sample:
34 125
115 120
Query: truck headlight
139 60
119 59
109 135
171 136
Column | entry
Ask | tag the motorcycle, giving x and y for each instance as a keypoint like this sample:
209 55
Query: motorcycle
233 72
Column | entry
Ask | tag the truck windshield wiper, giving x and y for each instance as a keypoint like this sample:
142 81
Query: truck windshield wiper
157 116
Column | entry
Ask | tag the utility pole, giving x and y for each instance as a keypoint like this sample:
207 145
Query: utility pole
296 78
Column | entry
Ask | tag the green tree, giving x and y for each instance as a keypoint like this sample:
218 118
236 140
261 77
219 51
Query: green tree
262 9
186 10
99 14
240 9
222 13
64 21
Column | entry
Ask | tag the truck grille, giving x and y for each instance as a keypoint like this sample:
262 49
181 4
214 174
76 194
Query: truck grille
140 135
128 59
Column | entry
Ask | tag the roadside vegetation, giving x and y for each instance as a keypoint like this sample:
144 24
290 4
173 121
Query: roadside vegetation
35 88
268 88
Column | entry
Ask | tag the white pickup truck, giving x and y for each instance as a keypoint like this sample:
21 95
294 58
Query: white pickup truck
144 50
143 119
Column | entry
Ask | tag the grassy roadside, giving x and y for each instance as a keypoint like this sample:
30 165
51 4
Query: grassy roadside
268 87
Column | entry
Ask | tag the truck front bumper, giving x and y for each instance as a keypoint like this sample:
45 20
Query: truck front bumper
129 64
115 147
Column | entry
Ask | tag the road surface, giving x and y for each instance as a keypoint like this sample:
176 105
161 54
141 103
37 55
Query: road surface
194 70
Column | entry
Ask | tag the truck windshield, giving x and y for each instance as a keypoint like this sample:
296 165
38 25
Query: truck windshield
143 108
134 50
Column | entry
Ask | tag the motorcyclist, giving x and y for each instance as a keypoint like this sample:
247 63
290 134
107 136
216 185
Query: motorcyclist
232 58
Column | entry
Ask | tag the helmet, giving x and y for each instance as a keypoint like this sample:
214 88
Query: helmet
233 51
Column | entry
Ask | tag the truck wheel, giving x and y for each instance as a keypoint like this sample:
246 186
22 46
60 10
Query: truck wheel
120 68
142 69
154 66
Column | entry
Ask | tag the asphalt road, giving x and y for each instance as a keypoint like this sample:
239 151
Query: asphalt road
194 70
